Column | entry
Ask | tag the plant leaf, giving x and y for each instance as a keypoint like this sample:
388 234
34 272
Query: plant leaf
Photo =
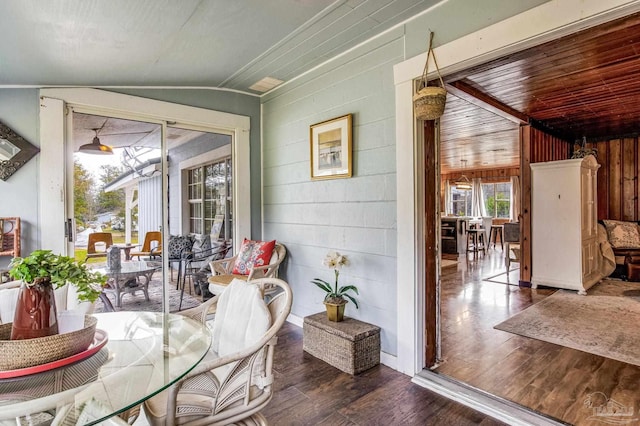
353 300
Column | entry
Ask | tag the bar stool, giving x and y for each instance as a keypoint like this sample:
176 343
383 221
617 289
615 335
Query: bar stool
493 235
475 240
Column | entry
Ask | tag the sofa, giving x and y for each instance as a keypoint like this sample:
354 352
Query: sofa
624 239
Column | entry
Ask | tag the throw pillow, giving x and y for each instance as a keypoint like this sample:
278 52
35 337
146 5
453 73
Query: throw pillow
622 234
202 243
179 244
253 253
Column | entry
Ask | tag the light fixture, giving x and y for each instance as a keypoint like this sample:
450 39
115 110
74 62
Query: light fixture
463 183
96 147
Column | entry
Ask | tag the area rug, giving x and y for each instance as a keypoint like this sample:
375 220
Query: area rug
605 322
138 303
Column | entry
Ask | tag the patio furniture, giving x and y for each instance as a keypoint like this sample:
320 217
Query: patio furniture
96 238
131 277
222 270
148 247
196 261
235 380
133 365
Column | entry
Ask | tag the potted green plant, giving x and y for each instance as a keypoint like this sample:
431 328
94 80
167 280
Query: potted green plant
41 272
334 300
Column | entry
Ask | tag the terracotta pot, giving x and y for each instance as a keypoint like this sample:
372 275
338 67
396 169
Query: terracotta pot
335 311
35 314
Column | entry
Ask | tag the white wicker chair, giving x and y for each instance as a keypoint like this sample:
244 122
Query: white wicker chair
229 389
222 270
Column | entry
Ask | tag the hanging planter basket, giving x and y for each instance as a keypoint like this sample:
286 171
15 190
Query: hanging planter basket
429 101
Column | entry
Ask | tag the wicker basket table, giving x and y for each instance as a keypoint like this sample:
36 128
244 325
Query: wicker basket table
352 346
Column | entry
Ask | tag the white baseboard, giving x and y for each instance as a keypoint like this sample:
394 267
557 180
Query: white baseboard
389 360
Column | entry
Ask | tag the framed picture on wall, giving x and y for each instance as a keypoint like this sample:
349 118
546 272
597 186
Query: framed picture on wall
331 148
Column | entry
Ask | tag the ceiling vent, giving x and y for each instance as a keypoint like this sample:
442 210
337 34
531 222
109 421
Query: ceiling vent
266 84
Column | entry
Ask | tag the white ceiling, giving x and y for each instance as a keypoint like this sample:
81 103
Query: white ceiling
205 43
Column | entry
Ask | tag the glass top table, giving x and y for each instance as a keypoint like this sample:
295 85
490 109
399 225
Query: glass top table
146 352
131 277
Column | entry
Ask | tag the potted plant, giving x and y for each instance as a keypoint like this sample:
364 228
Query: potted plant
335 300
41 272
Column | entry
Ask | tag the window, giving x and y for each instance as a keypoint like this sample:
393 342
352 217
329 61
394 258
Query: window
209 189
497 199
460 202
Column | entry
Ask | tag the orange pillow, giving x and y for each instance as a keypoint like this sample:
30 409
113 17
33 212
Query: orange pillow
251 254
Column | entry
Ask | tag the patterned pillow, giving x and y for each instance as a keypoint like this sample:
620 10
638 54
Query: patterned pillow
622 234
178 244
253 253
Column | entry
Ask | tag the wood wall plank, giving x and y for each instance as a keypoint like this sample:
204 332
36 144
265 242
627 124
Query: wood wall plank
526 148
628 162
615 180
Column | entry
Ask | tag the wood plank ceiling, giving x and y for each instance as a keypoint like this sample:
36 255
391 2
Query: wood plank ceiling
584 84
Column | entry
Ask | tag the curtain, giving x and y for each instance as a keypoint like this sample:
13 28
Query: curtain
477 198
447 197
514 211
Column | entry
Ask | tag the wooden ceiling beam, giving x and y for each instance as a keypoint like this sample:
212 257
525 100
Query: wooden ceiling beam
486 102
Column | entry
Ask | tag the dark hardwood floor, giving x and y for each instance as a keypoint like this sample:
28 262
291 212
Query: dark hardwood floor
548 378
311 392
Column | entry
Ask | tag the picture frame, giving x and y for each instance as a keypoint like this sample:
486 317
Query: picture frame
15 151
331 148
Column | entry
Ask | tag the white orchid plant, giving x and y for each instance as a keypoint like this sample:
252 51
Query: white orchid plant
335 294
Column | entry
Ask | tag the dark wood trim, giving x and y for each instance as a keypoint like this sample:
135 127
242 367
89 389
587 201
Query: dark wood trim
525 205
431 194
486 102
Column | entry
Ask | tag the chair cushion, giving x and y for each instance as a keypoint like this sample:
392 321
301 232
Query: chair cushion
622 234
253 253
179 244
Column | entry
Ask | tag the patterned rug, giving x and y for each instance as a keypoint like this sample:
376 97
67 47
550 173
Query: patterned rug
137 302
605 322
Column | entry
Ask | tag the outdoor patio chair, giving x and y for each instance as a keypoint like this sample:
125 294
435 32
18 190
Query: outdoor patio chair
148 249
96 238
222 270
235 380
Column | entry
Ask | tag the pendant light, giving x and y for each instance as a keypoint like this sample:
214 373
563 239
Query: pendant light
96 147
463 183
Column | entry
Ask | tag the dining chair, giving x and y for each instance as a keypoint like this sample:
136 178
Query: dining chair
98 237
235 379
148 249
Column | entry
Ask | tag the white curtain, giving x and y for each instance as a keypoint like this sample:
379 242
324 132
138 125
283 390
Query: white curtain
477 199
447 197
514 211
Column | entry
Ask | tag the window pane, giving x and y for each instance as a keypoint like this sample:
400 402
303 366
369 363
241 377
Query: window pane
489 194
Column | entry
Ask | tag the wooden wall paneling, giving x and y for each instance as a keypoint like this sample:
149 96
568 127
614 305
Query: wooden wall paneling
628 179
526 137
430 224
603 180
615 177
636 178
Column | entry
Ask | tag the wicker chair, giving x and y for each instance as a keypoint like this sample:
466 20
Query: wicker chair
223 270
149 238
98 237
229 388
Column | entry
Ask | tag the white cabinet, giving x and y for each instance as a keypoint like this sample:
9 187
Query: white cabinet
564 243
